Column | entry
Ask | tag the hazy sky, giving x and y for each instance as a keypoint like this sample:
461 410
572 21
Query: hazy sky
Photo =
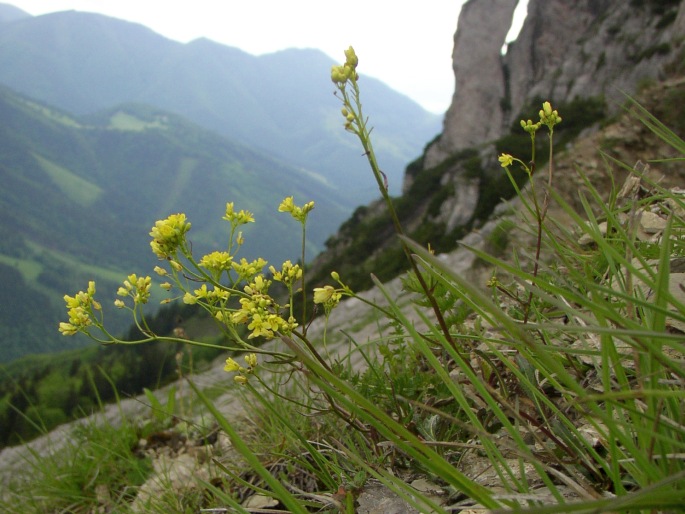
406 44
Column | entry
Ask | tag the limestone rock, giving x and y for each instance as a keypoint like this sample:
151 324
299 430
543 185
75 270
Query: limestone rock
584 48
567 49
475 114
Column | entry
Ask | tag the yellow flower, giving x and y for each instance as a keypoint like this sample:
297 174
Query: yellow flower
247 270
80 309
259 327
299 213
259 286
548 116
251 360
143 285
286 205
240 316
241 217
67 329
340 74
505 160
323 294
168 235
289 273
530 127
492 282
351 58
231 366
136 287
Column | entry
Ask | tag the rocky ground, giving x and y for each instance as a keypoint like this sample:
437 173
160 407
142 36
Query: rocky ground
182 460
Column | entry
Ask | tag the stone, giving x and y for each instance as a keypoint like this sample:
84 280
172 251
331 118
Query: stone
475 114
652 223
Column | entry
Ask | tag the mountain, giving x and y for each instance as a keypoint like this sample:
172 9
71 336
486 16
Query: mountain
80 194
281 103
9 13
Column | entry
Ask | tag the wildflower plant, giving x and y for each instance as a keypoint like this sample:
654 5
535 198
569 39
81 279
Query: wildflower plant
233 289
567 386
549 118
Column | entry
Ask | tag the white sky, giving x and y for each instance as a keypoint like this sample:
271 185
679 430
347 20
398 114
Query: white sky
406 44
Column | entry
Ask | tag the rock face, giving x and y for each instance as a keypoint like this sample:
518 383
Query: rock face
567 49
479 75
583 48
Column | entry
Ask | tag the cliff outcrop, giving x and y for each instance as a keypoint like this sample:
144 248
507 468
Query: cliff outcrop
567 49
480 80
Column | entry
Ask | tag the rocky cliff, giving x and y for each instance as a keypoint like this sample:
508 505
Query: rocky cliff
567 49
480 79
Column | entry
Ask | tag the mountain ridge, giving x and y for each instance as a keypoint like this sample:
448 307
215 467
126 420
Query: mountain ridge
280 102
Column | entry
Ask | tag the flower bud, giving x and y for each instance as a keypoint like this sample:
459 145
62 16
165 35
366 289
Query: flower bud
351 58
251 360
338 74
231 365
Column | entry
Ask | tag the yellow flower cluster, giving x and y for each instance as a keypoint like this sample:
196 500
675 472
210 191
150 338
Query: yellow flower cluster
548 116
217 262
244 372
530 127
289 273
79 308
136 287
341 74
168 235
211 296
299 213
241 217
259 311
248 270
